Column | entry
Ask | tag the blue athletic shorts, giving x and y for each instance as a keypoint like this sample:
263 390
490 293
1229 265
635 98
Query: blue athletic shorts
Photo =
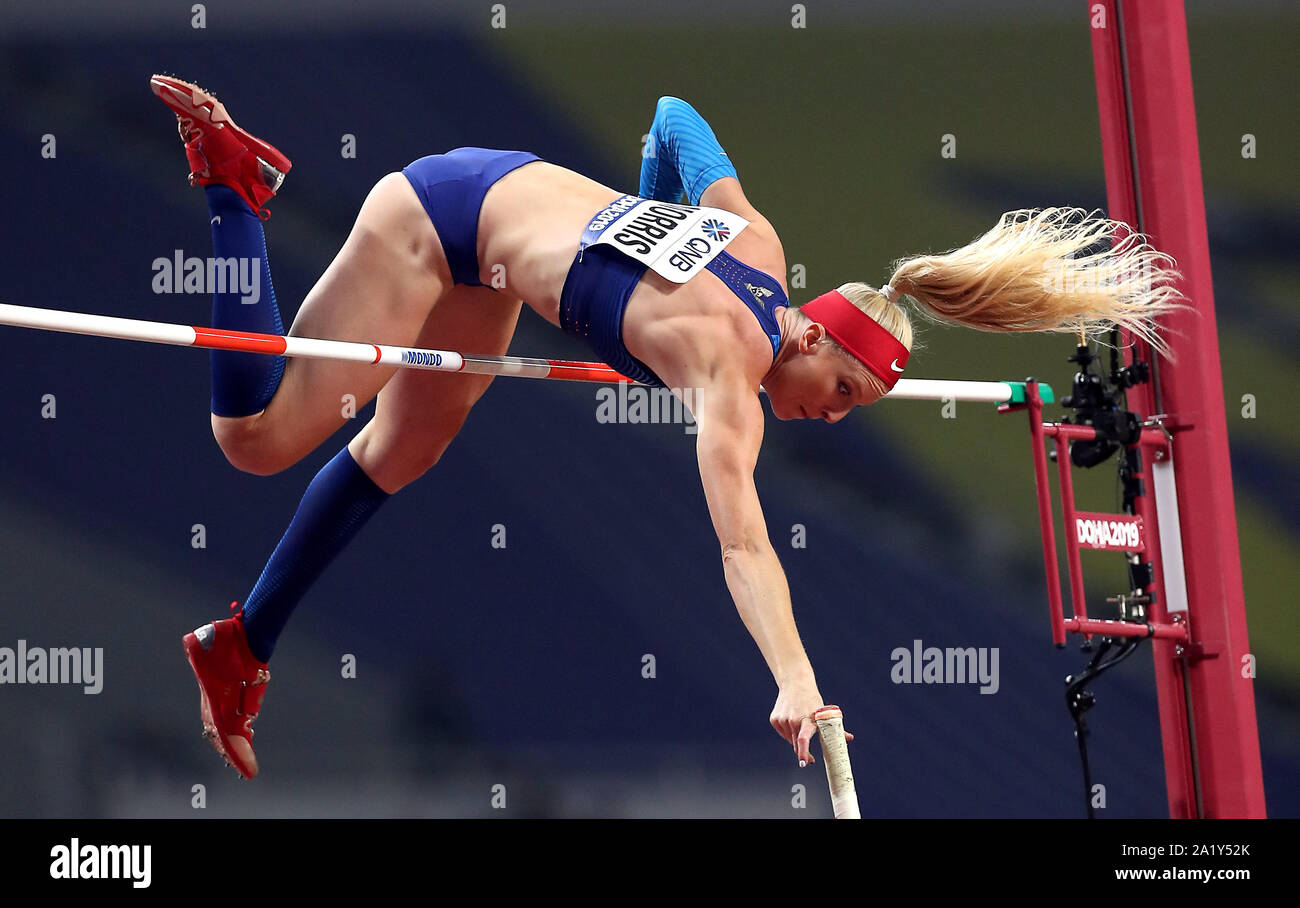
451 188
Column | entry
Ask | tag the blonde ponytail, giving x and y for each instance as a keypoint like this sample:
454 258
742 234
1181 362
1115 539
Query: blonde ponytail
1050 269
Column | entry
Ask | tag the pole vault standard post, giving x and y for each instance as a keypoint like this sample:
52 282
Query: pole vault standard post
996 392
1153 182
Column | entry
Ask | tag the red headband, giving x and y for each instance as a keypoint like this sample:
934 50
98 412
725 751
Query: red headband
859 334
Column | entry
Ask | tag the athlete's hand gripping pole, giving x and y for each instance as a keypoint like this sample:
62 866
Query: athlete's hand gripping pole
835 754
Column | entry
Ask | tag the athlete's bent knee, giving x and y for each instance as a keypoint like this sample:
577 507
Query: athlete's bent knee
247 446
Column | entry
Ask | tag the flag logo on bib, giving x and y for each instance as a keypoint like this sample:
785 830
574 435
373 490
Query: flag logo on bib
716 230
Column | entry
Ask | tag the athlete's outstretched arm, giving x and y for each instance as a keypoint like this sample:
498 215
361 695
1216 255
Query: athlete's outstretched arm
730 432
681 154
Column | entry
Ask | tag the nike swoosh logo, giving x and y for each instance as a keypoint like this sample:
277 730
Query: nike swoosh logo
216 220
894 365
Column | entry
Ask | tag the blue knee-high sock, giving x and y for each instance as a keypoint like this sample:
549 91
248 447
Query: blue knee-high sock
242 383
335 507
686 154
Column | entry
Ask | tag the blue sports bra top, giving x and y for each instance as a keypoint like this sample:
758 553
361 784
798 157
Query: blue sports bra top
601 280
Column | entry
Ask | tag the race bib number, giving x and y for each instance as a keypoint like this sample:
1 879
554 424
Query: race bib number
675 241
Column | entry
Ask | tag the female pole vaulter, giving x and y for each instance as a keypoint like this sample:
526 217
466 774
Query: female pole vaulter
687 297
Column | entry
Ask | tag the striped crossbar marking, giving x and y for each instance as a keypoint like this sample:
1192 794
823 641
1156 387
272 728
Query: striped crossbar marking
308 347
217 339
409 357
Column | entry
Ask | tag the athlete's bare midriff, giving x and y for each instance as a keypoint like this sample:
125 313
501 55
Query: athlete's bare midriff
529 228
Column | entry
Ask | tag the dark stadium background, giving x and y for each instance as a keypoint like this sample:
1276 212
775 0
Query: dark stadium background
522 666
